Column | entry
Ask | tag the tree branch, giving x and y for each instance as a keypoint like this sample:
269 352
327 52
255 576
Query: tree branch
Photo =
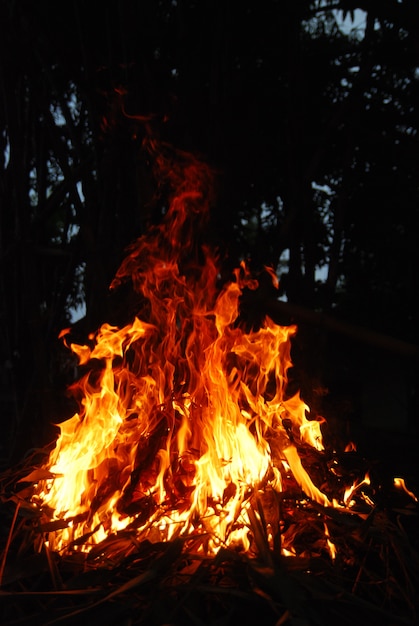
275 308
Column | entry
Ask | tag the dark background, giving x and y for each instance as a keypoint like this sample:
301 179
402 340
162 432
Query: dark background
311 128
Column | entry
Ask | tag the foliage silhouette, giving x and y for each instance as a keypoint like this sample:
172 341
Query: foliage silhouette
313 131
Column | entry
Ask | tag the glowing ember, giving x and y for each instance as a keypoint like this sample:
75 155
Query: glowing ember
182 417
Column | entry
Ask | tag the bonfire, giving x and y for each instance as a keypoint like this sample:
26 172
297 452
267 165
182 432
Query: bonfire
192 486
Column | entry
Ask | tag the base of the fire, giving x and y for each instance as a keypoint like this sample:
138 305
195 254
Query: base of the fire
270 516
284 559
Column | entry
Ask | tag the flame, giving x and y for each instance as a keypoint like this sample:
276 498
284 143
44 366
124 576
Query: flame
350 447
183 409
355 487
400 484
330 545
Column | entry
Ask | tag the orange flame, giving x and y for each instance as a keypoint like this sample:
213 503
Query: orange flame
182 416
400 484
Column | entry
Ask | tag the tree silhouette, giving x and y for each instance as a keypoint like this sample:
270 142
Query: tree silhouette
312 130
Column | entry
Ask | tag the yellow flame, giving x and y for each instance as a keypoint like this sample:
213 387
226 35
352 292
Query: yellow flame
331 546
347 498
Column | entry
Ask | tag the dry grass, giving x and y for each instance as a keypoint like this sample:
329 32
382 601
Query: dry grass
124 581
